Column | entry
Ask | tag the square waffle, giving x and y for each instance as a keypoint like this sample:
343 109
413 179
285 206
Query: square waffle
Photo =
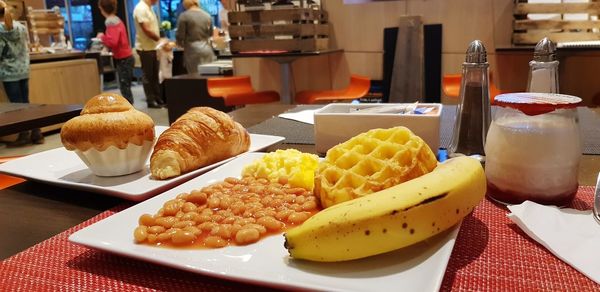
370 162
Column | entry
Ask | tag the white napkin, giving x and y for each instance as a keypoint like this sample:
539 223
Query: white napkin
305 116
571 235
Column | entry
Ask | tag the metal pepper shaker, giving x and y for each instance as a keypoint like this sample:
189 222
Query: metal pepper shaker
543 69
473 115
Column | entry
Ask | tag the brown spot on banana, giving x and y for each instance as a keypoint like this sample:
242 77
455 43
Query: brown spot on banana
287 245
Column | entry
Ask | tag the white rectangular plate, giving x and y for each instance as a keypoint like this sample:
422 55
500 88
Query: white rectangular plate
417 268
64 168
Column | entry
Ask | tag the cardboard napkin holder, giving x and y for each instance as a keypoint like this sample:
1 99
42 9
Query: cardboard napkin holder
337 122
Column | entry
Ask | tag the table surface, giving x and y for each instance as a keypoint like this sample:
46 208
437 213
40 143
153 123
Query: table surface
267 54
530 49
41 57
50 209
32 212
194 76
18 117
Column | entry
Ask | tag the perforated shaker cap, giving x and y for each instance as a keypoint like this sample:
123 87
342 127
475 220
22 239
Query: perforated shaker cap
476 53
545 51
533 103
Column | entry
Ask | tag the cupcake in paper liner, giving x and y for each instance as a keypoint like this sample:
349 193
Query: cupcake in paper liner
110 136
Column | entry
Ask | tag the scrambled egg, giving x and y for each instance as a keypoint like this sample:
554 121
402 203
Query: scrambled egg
297 167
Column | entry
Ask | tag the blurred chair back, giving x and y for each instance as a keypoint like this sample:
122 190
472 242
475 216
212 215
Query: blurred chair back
358 87
451 86
220 86
238 91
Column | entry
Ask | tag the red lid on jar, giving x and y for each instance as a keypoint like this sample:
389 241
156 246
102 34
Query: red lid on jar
534 103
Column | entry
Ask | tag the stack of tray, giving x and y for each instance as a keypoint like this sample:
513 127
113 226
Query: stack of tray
529 31
295 29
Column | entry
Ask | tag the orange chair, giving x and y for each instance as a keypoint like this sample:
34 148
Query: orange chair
7 180
237 91
358 87
451 86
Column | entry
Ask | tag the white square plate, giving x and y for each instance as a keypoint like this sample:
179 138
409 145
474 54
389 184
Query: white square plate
64 168
417 268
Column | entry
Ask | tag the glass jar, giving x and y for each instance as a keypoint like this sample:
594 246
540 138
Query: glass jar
533 149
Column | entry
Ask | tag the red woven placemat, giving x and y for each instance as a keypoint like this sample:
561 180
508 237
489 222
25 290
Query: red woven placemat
490 253
493 254
59 265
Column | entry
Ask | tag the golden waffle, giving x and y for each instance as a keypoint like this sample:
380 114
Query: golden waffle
370 162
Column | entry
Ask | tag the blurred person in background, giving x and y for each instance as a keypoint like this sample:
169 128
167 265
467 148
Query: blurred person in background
14 68
194 29
165 59
146 39
223 17
115 38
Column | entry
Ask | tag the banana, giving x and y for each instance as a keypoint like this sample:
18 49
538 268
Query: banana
392 218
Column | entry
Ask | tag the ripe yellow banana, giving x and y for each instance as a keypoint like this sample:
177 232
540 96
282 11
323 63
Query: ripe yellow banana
392 218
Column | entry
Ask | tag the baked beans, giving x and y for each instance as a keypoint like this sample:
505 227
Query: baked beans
232 212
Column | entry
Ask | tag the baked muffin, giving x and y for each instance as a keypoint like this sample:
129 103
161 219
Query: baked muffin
110 135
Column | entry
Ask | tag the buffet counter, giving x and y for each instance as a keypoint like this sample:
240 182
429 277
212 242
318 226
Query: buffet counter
56 78
53 57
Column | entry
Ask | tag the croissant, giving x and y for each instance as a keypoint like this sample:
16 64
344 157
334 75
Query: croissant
200 137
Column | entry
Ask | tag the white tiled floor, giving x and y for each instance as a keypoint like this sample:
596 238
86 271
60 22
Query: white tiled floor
53 138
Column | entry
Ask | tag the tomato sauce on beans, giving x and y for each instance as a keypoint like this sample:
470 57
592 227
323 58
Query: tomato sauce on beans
232 212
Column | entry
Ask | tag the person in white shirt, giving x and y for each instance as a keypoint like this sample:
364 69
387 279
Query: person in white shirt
146 40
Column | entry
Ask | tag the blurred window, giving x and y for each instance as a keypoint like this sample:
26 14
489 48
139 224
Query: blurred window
170 10
78 20
212 7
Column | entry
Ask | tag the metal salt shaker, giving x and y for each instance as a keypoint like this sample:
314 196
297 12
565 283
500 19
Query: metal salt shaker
543 69
473 115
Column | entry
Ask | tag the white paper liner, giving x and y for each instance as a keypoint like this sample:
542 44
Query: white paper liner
114 161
